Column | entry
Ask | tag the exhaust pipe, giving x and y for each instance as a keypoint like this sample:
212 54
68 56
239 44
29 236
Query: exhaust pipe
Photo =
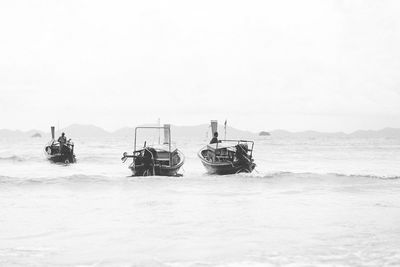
52 132
167 134
214 127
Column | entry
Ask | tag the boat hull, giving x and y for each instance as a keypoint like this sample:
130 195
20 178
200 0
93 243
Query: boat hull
53 154
62 158
158 170
224 168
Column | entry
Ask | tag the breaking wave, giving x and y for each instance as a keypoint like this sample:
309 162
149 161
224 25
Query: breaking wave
384 177
13 158
283 174
21 159
76 178
96 179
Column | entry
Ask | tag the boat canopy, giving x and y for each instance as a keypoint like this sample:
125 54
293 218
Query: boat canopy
219 146
162 147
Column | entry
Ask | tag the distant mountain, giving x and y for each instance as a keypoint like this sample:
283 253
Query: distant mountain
384 133
125 132
82 130
203 132
199 132
306 134
10 133
7 134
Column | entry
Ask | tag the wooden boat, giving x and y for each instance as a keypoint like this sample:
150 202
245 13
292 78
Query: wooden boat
55 154
227 156
161 159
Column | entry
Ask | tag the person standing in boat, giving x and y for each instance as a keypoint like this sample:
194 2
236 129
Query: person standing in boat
62 140
215 140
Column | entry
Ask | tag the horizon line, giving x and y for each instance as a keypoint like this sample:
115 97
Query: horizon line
196 125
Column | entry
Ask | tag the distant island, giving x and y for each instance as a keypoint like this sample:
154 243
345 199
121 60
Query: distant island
264 133
36 135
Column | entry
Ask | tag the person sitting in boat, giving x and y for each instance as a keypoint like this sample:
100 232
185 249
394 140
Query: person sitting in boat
215 140
62 140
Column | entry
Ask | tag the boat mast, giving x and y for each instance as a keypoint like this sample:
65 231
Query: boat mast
167 138
52 132
159 131
214 127
225 128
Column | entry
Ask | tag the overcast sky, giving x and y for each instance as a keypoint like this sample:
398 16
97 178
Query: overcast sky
295 65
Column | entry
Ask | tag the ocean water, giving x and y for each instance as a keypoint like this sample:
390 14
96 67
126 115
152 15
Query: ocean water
314 202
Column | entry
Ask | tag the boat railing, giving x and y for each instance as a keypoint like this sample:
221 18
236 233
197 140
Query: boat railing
238 141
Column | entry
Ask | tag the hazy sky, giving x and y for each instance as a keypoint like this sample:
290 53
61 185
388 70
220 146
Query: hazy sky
296 65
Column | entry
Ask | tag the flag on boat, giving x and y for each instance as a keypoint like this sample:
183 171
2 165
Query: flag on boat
225 127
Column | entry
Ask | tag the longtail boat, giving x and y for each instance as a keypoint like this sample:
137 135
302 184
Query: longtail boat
227 156
57 153
161 159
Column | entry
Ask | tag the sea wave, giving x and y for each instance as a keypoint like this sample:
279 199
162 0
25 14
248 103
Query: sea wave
282 174
100 159
95 179
13 158
384 177
21 159
75 178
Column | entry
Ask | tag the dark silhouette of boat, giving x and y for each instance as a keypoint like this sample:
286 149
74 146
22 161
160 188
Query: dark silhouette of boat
161 159
227 156
55 154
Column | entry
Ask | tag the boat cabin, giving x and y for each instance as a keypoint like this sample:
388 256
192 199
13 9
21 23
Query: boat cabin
220 152
161 159
160 154
225 151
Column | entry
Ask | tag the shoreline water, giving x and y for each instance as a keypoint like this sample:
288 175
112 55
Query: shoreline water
309 203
